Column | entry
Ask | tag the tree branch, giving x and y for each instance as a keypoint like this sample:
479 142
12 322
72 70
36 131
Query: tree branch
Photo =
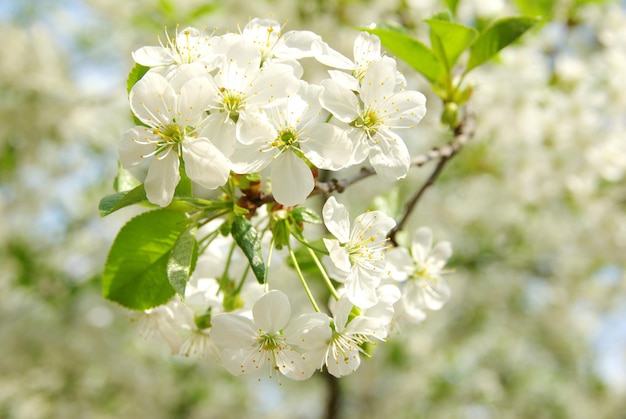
462 133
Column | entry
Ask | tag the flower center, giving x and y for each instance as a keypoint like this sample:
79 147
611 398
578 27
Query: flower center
270 342
287 138
368 121
233 102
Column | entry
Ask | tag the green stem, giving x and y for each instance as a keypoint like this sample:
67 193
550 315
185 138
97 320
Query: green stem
302 280
329 283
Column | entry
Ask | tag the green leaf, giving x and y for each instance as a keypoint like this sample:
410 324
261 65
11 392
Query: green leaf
248 240
412 51
125 180
182 260
454 38
136 73
306 215
135 274
496 36
452 5
113 202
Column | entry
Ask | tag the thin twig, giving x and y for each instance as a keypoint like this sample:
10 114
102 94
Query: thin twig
463 132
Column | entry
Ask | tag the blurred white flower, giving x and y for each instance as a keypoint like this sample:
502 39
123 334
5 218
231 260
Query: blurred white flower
426 287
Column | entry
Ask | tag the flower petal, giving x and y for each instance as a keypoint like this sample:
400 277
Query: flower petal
162 178
193 99
338 255
153 100
136 143
204 163
327 147
272 311
292 179
151 56
339 100
390 157
421 244
379 81
399 263
361 287
337 219
233 331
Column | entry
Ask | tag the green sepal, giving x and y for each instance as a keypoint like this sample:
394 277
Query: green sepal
136 73
248 240
497 36
119 200
412 51
182 261
305 215
135 273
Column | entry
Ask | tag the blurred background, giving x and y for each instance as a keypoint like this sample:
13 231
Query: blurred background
534 206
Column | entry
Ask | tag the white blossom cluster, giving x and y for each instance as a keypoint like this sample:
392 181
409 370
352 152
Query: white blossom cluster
237 103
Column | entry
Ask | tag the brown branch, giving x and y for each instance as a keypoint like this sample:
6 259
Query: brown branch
462 133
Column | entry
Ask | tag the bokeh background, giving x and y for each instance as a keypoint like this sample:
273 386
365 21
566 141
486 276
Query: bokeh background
535 208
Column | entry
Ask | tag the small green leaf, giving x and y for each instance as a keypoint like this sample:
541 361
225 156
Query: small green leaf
125 180
454 38
496 36
306 215
136 73
412 51
452 5
248 240
113 202
135 274
182 260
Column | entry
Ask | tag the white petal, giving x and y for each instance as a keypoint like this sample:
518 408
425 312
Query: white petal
308 331
135 144
399 263
341 312
361 287
193 99
340 101
255 128
247 360
292 179
379 81
221 132
421 244
291 364
337 219
328 56
233 331
162 179
441 253
251 158
403 109
366 48
437 294
372 225
271 312
296 44
204 163
344 79
338 255
273 81
343 362
153 100
390 157
151 56
328 147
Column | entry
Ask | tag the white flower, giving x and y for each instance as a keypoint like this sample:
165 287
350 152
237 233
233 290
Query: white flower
274 45
188 46
359 253
374 114
268 341
287 135
242 85
426 287
175 127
